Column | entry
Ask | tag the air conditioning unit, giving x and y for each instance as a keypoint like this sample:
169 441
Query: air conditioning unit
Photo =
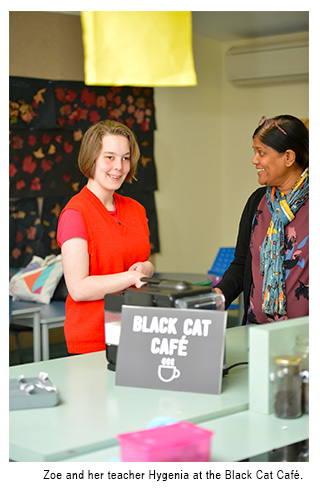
253 65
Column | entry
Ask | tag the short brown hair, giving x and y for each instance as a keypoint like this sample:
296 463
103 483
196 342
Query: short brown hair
91 145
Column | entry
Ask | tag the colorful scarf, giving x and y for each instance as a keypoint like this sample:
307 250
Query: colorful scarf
283 209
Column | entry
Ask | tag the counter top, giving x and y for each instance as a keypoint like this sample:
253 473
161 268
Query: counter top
93 410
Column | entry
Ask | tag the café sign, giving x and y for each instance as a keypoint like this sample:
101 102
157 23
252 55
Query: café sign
173 349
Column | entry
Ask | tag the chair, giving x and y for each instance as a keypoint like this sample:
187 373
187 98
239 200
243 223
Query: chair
221 263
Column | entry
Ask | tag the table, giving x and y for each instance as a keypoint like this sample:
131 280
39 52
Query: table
26 312
90 398
247 434
93 411
237 437
49 316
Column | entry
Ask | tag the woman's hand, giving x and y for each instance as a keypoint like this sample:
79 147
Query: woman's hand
143 267
83 287
220 305
137 275
217 290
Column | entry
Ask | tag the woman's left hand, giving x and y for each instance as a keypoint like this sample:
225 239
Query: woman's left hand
143 267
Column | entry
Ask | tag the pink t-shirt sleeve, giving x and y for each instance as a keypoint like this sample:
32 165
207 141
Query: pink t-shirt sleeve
70 226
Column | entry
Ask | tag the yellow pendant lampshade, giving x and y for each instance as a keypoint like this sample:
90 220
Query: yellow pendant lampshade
138 48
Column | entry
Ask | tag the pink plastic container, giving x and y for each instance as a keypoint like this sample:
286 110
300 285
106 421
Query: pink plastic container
181 442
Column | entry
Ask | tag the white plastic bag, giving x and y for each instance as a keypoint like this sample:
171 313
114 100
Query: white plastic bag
38 280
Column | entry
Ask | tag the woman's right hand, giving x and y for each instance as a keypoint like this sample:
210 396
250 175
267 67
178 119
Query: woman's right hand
217 290
220 305
85 287
136 276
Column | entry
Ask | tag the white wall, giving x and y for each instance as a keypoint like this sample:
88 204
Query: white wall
242 109
188 158
203 152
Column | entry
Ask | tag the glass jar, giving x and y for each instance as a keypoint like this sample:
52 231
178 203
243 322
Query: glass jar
288 387
302 350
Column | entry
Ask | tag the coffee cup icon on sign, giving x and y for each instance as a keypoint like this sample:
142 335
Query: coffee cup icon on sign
167 371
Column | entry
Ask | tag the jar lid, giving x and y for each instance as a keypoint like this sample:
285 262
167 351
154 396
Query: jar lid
287 360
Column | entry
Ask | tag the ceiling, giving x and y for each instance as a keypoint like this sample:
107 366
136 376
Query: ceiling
237 25
229 26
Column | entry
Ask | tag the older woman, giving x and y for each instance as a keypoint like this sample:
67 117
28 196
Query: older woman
104 237
271 262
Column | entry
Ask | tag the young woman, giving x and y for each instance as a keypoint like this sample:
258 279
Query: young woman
104 237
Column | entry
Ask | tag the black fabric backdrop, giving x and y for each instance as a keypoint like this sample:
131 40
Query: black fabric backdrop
47 120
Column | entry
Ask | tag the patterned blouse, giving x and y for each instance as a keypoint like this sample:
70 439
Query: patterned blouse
296 264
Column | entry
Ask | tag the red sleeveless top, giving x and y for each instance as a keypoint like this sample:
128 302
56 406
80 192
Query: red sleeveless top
113 247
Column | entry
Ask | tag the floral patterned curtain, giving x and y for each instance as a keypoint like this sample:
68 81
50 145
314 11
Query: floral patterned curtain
47 120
